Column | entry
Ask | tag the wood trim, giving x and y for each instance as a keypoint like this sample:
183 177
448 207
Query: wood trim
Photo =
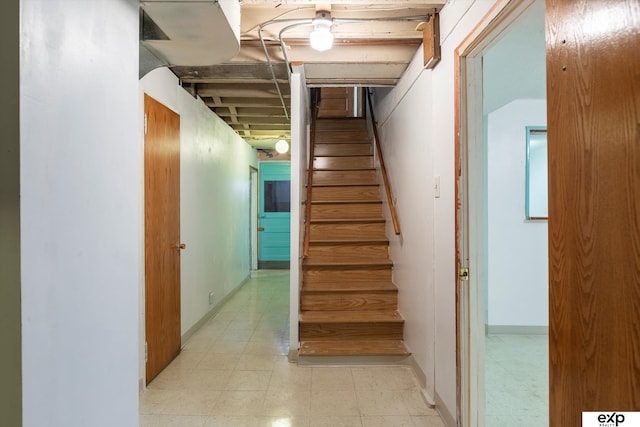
431 42
383 169
473 39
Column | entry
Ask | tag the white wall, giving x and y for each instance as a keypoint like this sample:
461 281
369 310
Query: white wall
80 210
515 66
406 151
299 162
214 200
429 274
517 254
514 92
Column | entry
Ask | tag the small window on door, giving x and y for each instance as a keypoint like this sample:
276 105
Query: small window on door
277 196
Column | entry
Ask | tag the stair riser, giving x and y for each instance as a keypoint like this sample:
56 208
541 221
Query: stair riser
333 231
349 252
341 125
341 137
351 162
351 331
311 276
344 177
342 149
321 194
347 211
331 301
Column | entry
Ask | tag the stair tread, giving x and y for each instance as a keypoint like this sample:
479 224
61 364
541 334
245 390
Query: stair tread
344 185
342 155
346 220
352 241
353 348
320 262
344 202
353 169
363 316
369 286
354 138
328 156
358 137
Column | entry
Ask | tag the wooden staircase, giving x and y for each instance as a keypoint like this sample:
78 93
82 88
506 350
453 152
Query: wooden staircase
348 303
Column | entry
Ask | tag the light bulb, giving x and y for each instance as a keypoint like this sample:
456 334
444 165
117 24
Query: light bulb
282 146
321 38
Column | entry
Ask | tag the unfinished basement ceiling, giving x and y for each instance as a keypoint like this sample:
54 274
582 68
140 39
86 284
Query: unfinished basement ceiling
374 51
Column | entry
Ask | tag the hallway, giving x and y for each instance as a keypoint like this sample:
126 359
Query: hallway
234 372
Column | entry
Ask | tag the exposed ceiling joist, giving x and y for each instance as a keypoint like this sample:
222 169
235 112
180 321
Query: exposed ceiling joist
245 102
372 50
251 112
258 90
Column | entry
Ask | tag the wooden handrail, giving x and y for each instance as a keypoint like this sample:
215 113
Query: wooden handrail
383 169
315 100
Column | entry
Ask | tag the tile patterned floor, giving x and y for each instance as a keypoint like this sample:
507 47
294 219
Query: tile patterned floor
516 380
234 372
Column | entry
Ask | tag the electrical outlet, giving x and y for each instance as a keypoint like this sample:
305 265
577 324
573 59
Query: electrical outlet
210 298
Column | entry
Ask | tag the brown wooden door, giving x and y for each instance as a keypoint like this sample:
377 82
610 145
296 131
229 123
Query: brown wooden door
336 102
162 235
593 102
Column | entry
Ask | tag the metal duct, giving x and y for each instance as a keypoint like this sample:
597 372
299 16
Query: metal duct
193 33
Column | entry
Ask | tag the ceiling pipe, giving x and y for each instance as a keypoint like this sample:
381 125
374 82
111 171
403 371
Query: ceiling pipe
266 54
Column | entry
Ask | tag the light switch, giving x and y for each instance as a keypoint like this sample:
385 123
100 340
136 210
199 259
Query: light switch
436 187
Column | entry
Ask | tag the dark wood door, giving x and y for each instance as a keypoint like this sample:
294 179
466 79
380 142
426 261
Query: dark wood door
162 235
593 98
336 102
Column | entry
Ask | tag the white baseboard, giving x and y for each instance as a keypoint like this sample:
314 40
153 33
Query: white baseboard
204 319
447 417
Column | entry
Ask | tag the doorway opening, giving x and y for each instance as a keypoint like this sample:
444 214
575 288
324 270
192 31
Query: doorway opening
503 298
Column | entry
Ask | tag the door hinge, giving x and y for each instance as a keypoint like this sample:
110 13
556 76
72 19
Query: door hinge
146 352
463 274
145 123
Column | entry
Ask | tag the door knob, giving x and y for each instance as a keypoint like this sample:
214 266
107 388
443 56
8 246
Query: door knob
260 228
180 246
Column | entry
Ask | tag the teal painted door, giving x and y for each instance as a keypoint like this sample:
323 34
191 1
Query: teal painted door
275 212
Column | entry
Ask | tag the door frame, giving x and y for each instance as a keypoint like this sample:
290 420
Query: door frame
470 178
254 189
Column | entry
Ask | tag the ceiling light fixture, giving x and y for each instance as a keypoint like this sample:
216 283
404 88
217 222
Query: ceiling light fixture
282 146
321 38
